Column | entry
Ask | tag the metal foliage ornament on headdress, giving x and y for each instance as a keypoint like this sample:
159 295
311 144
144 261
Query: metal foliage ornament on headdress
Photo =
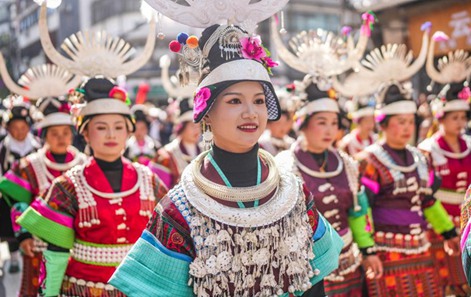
41 81
382 67
94 53
290 101
360 106
205 13
171 84
321 53
233 42
455 67
454 71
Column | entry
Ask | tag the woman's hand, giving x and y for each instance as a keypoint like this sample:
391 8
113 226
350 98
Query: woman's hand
372 266
452 246
26 247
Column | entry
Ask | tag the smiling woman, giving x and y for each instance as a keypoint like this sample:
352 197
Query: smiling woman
235 225
98 208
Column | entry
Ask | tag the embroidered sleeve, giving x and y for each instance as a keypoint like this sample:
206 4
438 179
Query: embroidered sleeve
162 166
311 209
170 228
160 189
19 183
370 179
52 218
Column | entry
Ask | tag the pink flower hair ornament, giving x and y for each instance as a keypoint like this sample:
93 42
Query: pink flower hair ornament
253 49
201 101
465 94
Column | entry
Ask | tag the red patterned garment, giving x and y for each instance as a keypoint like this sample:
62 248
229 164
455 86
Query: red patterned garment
402 202
455 172
30 177
99 226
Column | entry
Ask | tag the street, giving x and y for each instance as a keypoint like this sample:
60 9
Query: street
11 282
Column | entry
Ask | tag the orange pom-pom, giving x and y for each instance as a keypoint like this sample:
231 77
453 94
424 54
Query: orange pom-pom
192 42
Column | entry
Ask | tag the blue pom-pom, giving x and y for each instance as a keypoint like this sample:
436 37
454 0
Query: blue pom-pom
182 37
426 26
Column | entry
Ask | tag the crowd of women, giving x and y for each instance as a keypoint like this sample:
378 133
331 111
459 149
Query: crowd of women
317 188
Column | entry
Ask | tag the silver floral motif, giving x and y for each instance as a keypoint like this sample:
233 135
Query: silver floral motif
242 250
204 13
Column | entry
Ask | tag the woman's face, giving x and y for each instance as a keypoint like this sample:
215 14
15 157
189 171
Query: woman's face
18 129
399 130
238 117
191 133
454 122
281 127
107 134
321 131
141 130
367 124
59 138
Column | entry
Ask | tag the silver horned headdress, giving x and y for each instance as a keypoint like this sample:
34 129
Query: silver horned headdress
454 67
92 53
390 64
322 54
41 81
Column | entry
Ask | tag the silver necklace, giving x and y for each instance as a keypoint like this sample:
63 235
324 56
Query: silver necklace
319 174
61 166
111 195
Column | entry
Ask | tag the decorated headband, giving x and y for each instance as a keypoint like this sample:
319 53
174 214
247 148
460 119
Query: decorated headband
42 81
56 111
233 41
16 108
316 97
359 107
93 53
322 54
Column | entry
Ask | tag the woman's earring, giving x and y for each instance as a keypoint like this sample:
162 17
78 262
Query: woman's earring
86 150
207 136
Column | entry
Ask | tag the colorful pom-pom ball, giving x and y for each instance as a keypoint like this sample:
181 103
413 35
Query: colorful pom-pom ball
182 37
192 42
175 46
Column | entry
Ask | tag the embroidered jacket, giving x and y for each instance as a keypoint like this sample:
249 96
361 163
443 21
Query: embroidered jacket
171 249
337 198
142 153
76 215
30 178
274 145
453 168
401 198
170 162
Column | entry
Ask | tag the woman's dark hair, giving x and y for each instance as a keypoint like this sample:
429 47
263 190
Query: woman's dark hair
308 118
